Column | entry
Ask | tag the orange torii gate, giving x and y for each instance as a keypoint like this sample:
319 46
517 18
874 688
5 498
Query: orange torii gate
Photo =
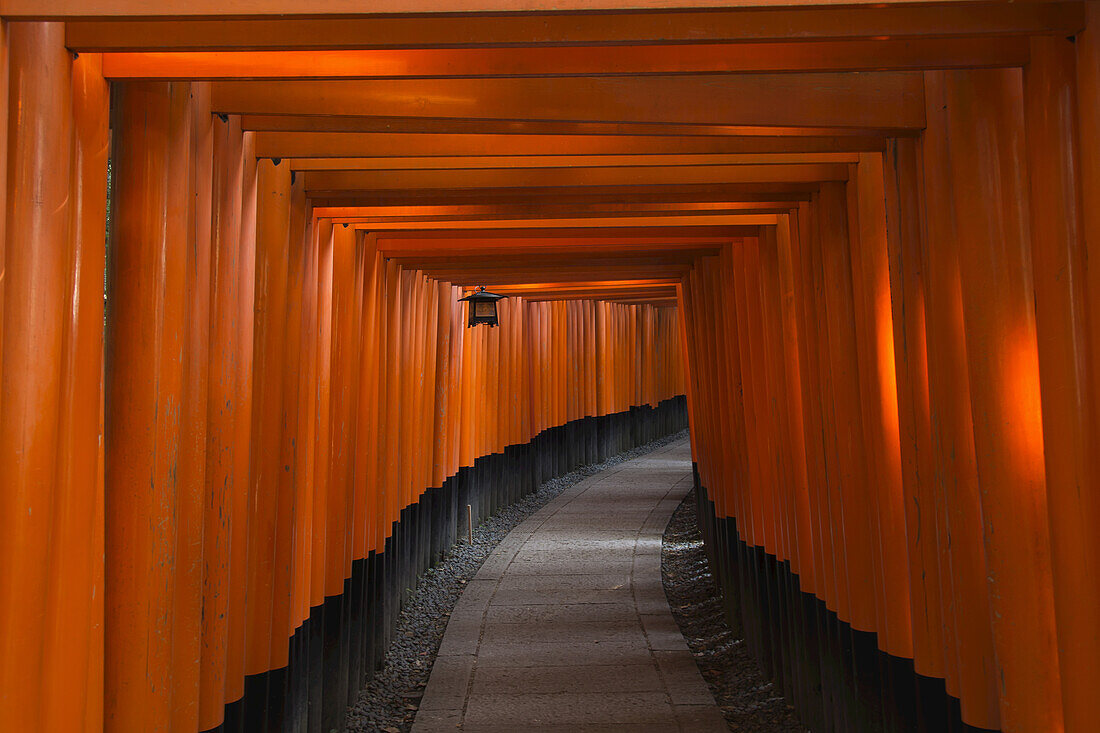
857 238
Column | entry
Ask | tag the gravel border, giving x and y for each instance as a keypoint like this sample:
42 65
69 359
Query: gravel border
748 700
389 703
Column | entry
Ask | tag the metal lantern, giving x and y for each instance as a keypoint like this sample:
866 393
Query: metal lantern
483 307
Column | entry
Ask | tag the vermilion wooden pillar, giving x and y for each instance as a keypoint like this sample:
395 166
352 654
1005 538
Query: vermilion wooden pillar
288 519
844 395
786 250
879 390
365 432
146 366
905 249
986 129
809 332
724 404
737 472
868 398
5 68
75 598
1088 111
968 640
194 166
306 425
37 264
343 340
1060 263
242 423
751 332
778 367
223 409
750 520
323 385
267 461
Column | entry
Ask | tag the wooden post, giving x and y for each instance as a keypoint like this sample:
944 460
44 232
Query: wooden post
1060 264
845 398
146 333
266 462
222 410
908 289
986 128
956 504
75 598
37 290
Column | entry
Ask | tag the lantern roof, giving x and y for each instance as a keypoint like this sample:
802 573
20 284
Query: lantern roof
482 294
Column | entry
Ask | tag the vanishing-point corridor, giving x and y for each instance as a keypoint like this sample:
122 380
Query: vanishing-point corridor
295 295
566 626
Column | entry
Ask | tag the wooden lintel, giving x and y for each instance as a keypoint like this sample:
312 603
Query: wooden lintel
874 100
220 30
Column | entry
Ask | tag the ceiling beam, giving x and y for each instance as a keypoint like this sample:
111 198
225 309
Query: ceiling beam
540 209
353 30
369 180
373 145
611 222
561 161
376 222
430 125
877 100
592 194
457 260
581 234
428 245
521 276
858 55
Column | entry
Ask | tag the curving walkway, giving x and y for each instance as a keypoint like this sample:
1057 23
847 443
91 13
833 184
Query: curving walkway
566 626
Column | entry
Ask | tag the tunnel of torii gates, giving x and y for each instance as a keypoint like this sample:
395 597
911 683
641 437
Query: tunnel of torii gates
850 243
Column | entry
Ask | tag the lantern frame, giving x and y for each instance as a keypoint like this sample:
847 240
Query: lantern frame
483 308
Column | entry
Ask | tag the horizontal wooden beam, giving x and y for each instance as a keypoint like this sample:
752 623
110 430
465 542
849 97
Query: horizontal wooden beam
548 209
593 194
527 260
405 145
561 161
380 222
877 100
515 277
645 295
645 234
608 222
328 181
354 30
427 245
430 125
660 302
858 55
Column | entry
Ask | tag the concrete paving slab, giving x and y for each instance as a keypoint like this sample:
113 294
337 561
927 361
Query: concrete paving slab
662 632
700 719
447 687
580 632
522 711
682 681
437 721
560 579
524 597
561 613
567 627
569 679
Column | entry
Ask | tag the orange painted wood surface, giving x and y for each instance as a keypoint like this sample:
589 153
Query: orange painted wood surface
857 238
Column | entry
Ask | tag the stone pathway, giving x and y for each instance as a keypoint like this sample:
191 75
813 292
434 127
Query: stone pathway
566 626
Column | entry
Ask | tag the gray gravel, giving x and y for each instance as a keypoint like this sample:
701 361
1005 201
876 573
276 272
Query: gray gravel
390 701
749 700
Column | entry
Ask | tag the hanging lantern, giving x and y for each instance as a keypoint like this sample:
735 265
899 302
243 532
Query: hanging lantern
483 307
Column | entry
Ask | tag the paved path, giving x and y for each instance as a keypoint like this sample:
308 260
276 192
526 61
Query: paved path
566 626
